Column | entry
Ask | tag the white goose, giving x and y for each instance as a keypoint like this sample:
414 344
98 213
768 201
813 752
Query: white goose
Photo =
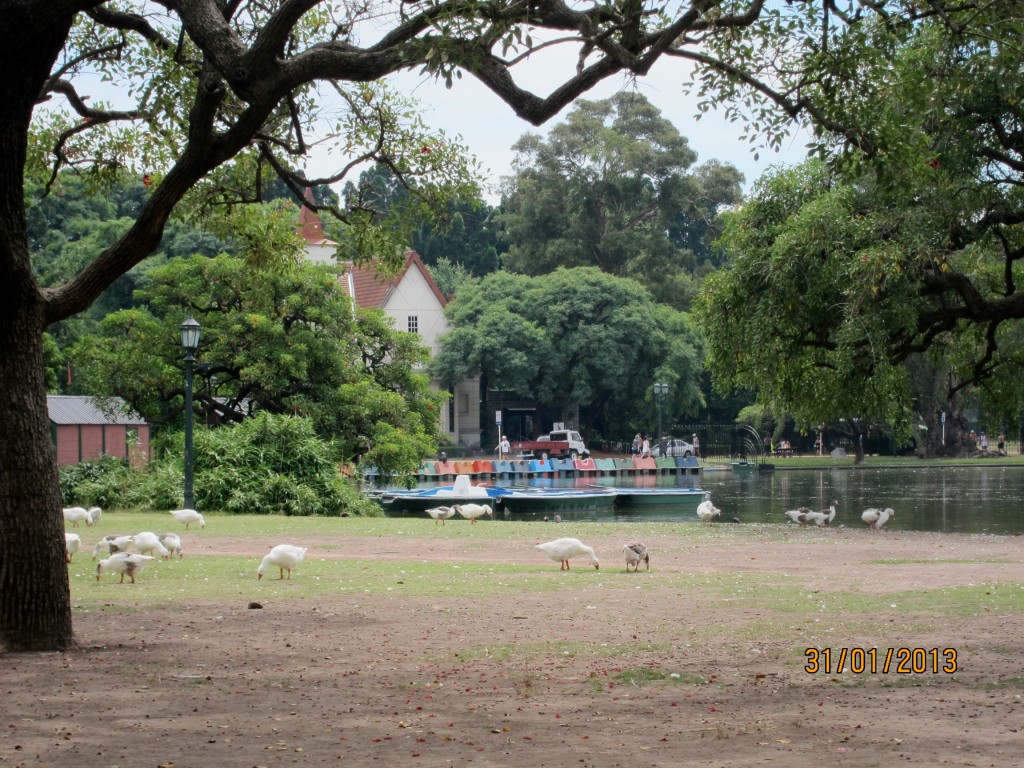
76 515
875 519
440 514
560 550
284 557
112 543
824 518
72 543
148 543
635 554
799 515
472 511
126 563
707 512
188 516
172 542
95 513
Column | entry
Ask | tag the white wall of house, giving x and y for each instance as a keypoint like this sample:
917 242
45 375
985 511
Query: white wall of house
415 308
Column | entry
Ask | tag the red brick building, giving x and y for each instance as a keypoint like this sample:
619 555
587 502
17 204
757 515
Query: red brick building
85 429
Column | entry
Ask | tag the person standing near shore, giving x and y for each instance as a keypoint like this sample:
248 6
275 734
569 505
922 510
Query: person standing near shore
696 445
645 448
637 445
503 448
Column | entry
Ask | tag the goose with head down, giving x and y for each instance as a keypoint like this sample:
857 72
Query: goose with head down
472 511
112 543
72 543
875 519
635 554
284 557
126 563
76 515
188 516
707 512
562 550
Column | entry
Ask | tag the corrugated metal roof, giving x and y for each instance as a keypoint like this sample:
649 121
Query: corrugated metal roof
79 409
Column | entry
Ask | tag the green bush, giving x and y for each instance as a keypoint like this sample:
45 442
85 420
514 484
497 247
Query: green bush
102 483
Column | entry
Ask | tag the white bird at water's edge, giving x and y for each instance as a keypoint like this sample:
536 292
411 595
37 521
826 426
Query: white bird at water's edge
440 514
561 550
188 516
799 515
472 511
707 512
876 518
125 563
635 554
284 557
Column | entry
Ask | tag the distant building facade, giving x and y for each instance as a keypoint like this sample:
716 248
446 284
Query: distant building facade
86 429
415 303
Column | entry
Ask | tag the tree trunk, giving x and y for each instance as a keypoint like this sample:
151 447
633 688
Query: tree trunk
35 600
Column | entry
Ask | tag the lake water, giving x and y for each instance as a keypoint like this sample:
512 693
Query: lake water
949 499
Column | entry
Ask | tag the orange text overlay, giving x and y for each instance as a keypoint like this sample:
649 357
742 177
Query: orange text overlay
902 661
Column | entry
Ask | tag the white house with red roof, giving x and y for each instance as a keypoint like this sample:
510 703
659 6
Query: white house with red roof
415 303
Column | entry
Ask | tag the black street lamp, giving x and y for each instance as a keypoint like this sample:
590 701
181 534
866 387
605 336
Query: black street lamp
660 393
190 341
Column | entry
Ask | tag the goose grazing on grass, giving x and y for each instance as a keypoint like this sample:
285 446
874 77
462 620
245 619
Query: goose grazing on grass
635 554
472 511
875 519
172 543
707 512
561 550
188 516
283 557
148 543
440 514
126 563
799 516
112 543
95 513
76 515
72 543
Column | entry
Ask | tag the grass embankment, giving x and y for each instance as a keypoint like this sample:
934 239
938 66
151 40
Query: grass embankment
331 569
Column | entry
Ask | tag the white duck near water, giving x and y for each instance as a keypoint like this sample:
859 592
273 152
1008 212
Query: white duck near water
283 557
72 543
472 511
188 516
126 563
561 550
76 515
148 543
707 512
635 554
440 514
172 543
800 515
875 518
824 518
112 543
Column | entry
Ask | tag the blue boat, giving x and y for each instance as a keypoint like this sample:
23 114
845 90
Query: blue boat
528 503
462 491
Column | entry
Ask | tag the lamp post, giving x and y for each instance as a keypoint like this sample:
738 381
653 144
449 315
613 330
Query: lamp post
660 393
190 341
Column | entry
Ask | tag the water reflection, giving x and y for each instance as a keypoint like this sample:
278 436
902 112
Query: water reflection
950 499
947 499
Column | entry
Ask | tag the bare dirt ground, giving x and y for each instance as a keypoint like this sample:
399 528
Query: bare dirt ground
617 670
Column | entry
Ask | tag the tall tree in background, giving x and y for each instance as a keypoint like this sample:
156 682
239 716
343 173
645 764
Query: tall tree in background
613 187
212 96
908 242
594 341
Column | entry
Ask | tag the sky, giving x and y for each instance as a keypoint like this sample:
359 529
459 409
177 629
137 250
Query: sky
489 127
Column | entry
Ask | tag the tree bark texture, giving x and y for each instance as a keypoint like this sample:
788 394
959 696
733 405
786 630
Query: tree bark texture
35 600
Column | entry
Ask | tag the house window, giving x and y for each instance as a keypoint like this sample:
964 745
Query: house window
463 403
414 324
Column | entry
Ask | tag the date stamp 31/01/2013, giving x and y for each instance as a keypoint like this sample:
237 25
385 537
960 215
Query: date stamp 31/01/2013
902 661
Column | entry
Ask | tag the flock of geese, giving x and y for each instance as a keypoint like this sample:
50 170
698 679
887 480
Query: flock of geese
285 557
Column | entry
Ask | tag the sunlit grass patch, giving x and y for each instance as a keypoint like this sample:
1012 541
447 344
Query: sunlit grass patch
642 675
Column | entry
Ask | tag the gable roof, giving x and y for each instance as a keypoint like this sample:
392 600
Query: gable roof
310 227
83 409
372 289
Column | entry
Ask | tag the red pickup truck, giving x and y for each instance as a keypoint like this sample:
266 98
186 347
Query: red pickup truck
560 444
